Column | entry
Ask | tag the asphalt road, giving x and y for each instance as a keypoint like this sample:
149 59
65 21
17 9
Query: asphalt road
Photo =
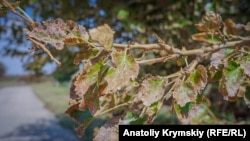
24 118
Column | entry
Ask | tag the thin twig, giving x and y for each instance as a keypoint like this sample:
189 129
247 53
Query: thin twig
157 60
29 20
191 52
46 50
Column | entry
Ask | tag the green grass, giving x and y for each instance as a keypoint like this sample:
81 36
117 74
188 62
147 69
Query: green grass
56 97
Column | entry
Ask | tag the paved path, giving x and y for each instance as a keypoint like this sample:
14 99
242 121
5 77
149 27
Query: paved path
24 118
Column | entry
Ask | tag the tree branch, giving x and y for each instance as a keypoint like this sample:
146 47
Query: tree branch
171 50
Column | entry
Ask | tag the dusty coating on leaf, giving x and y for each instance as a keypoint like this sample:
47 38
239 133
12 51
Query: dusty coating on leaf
125 69
198 79
84 80
245 65
57 33
195 115
184 94
231 81
151 90
103 34
107 134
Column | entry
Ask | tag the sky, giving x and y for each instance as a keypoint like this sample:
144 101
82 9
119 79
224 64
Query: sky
14 65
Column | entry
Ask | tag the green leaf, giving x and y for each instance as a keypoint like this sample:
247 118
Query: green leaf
58 33
231 81
184 94
104 35
124 71
151 90
198 79
122 14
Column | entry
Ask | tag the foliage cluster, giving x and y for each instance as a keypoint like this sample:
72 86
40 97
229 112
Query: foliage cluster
112 82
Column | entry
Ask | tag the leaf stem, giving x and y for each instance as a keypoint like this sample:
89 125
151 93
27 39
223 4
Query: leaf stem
113 108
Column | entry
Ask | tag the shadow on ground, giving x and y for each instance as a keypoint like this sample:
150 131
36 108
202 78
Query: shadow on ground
42 130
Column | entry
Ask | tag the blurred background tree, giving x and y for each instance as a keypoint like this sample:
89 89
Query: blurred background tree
132 20
2 69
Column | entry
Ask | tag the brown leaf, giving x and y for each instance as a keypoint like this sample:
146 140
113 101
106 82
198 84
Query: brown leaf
184 94
198 79
206 37
231 81
83 80
125 70
85 54
197 114
107 134
103 34
151 90
245 65
57 33
230 27
72 109
217 57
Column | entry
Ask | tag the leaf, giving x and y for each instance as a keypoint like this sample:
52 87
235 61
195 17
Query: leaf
230 27
198 79
128 118
81 118
193 113
151 90
83 80
125 70
245 65
85 54
132 119
58 33
217 57
107 134
205 37
231 81
122 14
184 94
4 9
152 111
77 115
104 35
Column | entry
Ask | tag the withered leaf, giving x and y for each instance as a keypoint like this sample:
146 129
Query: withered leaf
125 70
231 81
103 34
195 114
230 27
198 79
91 98
184 94
107 134
245 65
151 90
85 54
84 79
58 33
217 57
205 37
